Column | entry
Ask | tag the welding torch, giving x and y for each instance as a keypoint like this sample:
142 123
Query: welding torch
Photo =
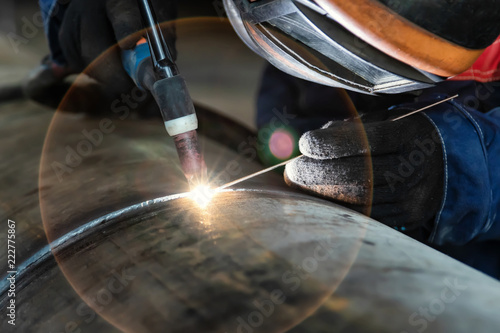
151 66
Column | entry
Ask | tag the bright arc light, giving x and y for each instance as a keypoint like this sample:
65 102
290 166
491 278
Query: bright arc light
202 195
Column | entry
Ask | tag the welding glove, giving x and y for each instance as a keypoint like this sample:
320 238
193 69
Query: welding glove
90 27
79 32
87 31
394 168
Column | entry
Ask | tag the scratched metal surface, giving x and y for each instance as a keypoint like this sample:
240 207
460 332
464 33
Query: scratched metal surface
129 252
23 127
134 254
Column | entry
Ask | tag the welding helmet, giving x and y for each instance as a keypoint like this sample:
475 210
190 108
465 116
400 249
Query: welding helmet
368 46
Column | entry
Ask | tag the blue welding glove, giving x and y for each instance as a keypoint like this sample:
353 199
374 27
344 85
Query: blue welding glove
394 168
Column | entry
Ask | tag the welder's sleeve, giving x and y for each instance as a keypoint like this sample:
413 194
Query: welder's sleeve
278 102
52 14
291 102
470 210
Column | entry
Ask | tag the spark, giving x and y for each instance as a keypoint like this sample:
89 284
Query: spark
202 195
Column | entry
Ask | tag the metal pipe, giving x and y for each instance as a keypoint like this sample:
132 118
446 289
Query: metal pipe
139 256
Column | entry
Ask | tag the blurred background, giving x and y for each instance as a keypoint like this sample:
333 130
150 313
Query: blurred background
210 54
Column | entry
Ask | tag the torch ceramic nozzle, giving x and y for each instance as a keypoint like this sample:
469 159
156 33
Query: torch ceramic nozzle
192 162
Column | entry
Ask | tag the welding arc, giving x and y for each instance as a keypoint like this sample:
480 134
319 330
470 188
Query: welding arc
258 173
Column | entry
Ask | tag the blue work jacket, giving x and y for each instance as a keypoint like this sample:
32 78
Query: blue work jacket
467 226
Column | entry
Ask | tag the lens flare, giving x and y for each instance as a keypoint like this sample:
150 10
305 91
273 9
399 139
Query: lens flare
282 144
202 195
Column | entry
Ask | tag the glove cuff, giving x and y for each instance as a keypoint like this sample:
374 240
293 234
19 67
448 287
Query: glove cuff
465 210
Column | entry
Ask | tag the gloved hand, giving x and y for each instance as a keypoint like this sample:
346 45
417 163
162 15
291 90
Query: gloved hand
403 179
90 27
87 30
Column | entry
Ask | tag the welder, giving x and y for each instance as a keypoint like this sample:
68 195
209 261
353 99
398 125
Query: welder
433 175
79 31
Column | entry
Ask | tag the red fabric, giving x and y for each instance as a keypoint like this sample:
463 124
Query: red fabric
486 68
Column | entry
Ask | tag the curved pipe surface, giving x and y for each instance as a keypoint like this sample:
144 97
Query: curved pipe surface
264 258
